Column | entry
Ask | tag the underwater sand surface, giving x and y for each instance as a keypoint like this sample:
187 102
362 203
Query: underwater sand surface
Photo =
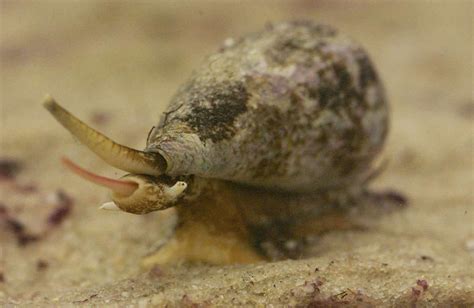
116 65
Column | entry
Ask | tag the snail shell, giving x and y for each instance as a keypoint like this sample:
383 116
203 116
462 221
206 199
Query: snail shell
296 107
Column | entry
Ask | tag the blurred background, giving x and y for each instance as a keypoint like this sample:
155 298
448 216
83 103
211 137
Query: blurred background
115 64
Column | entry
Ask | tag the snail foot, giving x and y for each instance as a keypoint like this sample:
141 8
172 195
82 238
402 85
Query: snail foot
197 243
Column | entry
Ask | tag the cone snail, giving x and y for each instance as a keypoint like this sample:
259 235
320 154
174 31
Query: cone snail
296 109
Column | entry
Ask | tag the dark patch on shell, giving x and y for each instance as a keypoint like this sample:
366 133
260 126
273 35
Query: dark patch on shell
272 128
213 111
336 86
339 97
367 74
280 131
335 91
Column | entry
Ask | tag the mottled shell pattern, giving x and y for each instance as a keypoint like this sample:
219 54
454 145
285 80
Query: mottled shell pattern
296 107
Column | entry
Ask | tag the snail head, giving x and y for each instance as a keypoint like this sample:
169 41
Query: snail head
144 190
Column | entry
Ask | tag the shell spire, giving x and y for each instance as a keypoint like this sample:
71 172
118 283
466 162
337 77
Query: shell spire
117 155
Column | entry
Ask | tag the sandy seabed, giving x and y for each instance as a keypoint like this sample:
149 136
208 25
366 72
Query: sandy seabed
116 64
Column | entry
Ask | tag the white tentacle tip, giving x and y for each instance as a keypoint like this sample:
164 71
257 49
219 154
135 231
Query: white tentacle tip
177 189
109 206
